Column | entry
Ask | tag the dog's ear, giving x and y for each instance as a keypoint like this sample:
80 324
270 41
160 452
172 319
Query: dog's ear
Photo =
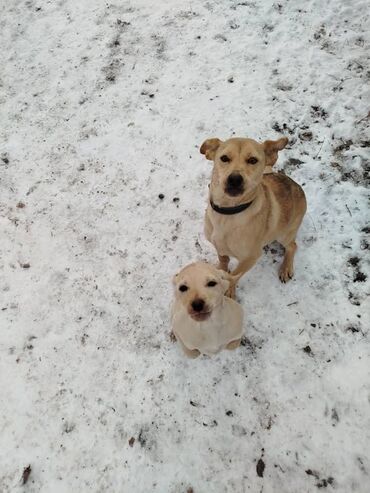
272 147
209 148
225 278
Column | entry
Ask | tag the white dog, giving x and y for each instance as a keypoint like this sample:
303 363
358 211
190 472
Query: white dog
203 319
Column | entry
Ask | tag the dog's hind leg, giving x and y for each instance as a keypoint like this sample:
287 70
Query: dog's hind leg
286 270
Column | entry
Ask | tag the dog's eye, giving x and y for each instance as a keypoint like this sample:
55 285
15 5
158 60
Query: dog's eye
211 284
252 160
224 158
183 288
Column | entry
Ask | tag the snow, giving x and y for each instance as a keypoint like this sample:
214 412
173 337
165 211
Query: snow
103 107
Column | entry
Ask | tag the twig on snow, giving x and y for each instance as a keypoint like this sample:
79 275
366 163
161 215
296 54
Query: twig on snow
340 83
364 118
313 222
317 155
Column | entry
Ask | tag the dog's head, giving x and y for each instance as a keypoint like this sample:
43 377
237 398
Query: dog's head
239 163
200 287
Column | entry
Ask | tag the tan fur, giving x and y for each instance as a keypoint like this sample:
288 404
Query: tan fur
277 209
220 324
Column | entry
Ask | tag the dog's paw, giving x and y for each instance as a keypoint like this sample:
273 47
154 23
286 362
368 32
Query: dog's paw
192 353
231 292
285 273
233 344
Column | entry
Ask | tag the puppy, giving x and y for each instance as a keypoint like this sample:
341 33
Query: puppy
203 319
249 205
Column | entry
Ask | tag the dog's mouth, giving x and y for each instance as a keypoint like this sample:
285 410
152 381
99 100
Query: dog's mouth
200 316
234 191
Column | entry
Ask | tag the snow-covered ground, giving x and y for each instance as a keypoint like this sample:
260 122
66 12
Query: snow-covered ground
103 107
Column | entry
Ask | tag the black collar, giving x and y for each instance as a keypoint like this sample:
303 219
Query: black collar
230 210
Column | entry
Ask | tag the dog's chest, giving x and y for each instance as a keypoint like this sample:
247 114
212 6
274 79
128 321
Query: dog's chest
213 335
229 236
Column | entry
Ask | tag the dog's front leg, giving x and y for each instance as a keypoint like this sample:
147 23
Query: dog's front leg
223 262
190 353
243 267
230 293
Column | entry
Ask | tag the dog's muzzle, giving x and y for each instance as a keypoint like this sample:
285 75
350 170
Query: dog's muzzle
199 310
234 184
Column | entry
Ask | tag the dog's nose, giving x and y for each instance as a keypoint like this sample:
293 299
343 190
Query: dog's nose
234 180
197 305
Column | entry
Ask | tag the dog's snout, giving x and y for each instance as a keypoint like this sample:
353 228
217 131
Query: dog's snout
235 180
197 305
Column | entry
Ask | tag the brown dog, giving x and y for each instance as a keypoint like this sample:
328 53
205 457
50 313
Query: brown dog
250 205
